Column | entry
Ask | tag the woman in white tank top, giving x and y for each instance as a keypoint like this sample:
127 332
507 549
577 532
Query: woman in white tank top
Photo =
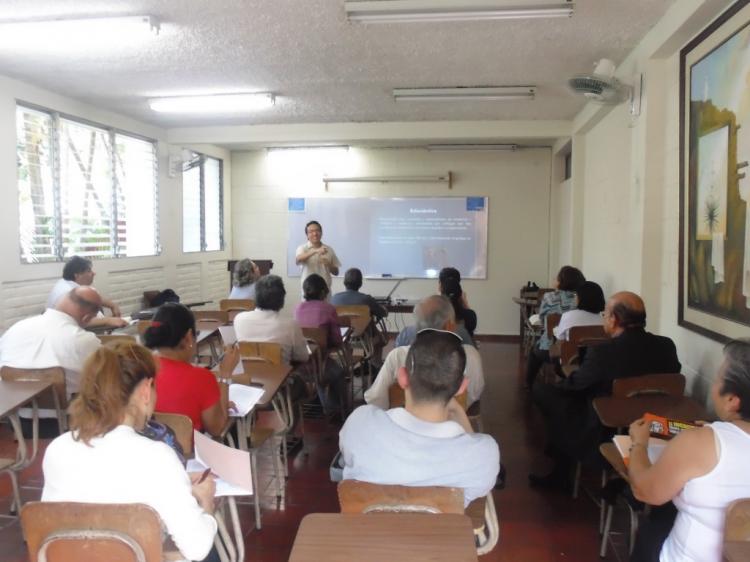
702 470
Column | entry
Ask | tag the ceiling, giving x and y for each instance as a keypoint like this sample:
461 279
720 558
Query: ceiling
324 69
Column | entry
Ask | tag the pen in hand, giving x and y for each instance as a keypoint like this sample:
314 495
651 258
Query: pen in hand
204 475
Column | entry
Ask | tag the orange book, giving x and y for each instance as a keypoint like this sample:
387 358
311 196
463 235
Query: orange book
666 428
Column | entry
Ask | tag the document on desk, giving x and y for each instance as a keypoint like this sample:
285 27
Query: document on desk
228 335
245 398
655 447
232 466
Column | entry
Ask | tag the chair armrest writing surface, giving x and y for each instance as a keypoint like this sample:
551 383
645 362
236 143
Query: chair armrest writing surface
737 522
614 458
384 537
618 412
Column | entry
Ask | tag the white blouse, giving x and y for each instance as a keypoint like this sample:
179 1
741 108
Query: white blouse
125 467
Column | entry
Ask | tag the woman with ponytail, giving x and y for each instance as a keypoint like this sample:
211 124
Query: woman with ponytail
103 459
451 287
183 388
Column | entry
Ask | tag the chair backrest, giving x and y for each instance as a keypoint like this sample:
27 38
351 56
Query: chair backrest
670 384
148 298
111 338
317 335
64 527
576 335
364 497
55 375
220 316
357 314
552 321
237 304
397 398
737 522
269 352
183 429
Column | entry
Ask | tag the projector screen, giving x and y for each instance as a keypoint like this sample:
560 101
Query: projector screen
410 237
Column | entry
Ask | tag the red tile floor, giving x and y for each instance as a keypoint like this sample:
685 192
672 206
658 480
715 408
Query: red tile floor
535 526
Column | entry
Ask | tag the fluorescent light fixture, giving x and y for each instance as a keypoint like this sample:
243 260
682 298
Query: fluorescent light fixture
403 11
66 34
473 146
343 147
479 93
219 103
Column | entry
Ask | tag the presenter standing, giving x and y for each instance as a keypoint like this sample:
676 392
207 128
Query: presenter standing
316 257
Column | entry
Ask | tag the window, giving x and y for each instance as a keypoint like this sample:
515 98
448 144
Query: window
202 204
83 189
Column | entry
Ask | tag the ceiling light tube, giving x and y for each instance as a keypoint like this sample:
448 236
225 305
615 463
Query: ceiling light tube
404 11
472 146
219 103
480 93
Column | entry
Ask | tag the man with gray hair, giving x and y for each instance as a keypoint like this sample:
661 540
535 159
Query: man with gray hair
406 336
434 312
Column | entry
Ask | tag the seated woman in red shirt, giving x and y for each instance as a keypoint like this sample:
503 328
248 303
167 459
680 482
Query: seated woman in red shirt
182 388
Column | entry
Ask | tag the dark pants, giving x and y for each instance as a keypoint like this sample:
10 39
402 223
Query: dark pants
652 533
213 556
537 357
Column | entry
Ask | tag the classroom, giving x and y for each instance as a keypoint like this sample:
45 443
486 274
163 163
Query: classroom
526 143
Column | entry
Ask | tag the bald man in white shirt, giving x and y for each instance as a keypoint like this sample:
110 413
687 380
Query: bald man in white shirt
55 338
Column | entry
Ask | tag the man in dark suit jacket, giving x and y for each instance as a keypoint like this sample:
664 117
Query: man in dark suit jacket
573 428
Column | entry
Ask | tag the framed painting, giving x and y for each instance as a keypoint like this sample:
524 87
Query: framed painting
714 290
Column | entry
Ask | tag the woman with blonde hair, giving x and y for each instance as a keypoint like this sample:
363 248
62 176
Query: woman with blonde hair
103 458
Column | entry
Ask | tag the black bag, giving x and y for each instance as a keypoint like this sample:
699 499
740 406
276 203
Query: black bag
167 295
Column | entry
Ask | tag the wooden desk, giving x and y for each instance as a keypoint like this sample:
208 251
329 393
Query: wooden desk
737 551
621 412
384 537
271 377
614 458
13 395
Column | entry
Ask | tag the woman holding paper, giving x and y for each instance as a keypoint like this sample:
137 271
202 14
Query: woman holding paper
104 460
183 388
701 471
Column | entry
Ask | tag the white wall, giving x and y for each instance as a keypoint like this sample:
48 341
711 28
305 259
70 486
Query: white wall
517 184
24 287
629 183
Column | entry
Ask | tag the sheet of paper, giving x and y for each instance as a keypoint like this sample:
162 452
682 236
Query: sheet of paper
203 334
228 335
245 398
655 447
239 368
232 465
223 488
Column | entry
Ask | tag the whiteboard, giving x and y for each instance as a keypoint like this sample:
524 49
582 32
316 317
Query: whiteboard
410 237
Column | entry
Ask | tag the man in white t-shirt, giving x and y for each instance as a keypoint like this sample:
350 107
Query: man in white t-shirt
429 442
55 338
435 312
316 257
79 272
265 324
